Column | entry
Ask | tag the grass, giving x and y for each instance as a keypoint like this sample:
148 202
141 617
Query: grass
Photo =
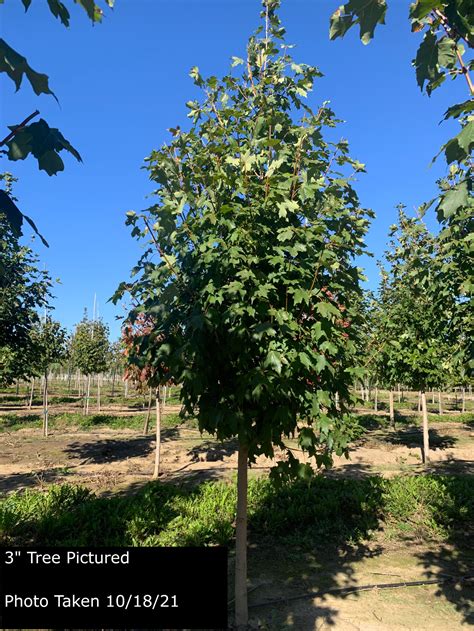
324 511
13 422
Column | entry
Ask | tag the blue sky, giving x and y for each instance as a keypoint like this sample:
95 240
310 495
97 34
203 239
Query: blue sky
122 83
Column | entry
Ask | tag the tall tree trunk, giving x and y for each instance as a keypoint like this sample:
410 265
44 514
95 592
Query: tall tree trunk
88 394
126 388
241 607
399 394
45 405
98 393
30 402
376 392
148 414
113 384
432 396
156 471
426 437
17 387
419 402
463 400
440 402
391 409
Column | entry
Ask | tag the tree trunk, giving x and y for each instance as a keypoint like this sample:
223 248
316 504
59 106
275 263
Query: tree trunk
440 402
164 398
463 400
30 402
391 409
88 394
147 419
98 393
426 438
126 388
419 401
113 384
399 394
45 405
156 471
241 607
376 392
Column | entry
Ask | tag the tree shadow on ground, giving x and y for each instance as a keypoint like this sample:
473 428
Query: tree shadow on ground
212 451
111 449
457 562
114 449
305 541
413 438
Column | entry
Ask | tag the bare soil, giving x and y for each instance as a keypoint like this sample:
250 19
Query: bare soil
110 461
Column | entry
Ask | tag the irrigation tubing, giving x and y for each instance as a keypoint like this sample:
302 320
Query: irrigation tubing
342 591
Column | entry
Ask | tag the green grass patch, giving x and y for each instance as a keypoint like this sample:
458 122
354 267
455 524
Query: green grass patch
13 422
325 511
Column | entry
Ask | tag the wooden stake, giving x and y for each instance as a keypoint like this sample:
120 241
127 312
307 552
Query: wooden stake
426 437
156 471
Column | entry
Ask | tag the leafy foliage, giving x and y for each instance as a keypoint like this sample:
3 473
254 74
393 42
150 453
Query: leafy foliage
415 312
90 346
23 289
50 343
256 225
37 139
366 13
44 143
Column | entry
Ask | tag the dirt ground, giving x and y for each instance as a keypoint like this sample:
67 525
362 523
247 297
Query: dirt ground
110 461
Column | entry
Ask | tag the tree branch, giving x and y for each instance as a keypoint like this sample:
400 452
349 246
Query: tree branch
18 128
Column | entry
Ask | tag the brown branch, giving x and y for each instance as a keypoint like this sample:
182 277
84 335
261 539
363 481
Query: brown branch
160 251
451 32
18 128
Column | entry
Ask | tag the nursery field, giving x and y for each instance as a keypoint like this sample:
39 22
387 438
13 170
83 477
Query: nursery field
377 519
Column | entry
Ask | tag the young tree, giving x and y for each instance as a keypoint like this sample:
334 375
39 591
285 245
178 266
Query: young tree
415 313
90 351
116 361
252 297
23 290
50 343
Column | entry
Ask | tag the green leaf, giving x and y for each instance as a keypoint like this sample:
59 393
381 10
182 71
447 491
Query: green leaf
59 10
455 198
273 360
421 8
366 13
44 143
321 363
17 67
455 111
327 309
460 147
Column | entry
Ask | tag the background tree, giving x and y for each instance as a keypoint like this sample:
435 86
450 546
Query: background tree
448 35
23 290
90 352
116 361
252 297
414 323
50 344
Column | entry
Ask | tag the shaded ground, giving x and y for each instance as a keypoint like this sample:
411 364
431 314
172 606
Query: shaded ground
111 459
122 460
286 575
